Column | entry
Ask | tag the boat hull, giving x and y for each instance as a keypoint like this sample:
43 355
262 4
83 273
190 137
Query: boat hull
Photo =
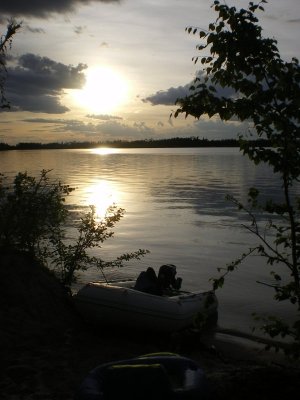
119 304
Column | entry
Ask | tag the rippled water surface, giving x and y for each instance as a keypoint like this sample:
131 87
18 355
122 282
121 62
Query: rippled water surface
176 208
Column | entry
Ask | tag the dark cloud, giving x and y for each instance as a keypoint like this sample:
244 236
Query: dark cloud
108 130
103 117
43 8
36 83
44 104
168 97
79 29
294 21
45 120
34 30
112 129
141 126
116 130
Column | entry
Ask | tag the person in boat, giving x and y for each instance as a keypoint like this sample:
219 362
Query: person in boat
163 284
167 280
147 282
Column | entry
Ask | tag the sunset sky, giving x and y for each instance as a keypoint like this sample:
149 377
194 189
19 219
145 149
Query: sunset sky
103 70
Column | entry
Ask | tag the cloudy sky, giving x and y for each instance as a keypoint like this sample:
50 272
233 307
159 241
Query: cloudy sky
107 69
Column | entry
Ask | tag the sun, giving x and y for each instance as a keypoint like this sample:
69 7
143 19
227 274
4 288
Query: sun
105 90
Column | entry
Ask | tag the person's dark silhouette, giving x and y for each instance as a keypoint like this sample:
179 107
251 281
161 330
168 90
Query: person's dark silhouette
147 282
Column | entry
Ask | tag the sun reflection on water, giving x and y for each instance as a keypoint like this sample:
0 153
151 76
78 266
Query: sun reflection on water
101 195
104 150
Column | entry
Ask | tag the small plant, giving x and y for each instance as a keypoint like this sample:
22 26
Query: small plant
70 258
31 210
33 218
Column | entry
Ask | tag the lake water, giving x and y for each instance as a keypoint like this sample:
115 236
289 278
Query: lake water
176 208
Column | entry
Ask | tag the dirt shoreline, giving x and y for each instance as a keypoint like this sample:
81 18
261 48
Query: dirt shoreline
47 349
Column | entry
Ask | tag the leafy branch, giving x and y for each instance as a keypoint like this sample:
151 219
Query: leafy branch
5 45
232 266
264 91
68 259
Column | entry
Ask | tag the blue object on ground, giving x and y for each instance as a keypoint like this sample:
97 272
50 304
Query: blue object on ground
158 376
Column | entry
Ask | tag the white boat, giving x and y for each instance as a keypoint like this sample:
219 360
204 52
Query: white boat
118 303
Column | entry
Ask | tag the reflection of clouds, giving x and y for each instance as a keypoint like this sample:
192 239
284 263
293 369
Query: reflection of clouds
201 183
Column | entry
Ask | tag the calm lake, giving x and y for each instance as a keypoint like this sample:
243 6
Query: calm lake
176 208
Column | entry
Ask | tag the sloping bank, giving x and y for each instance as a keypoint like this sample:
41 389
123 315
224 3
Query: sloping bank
46 349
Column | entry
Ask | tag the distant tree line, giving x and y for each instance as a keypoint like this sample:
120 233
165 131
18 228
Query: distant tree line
156 143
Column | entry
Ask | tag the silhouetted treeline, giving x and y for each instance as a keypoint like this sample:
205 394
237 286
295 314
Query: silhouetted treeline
172 142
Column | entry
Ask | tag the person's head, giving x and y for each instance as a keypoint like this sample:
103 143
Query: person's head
151 273
166 275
